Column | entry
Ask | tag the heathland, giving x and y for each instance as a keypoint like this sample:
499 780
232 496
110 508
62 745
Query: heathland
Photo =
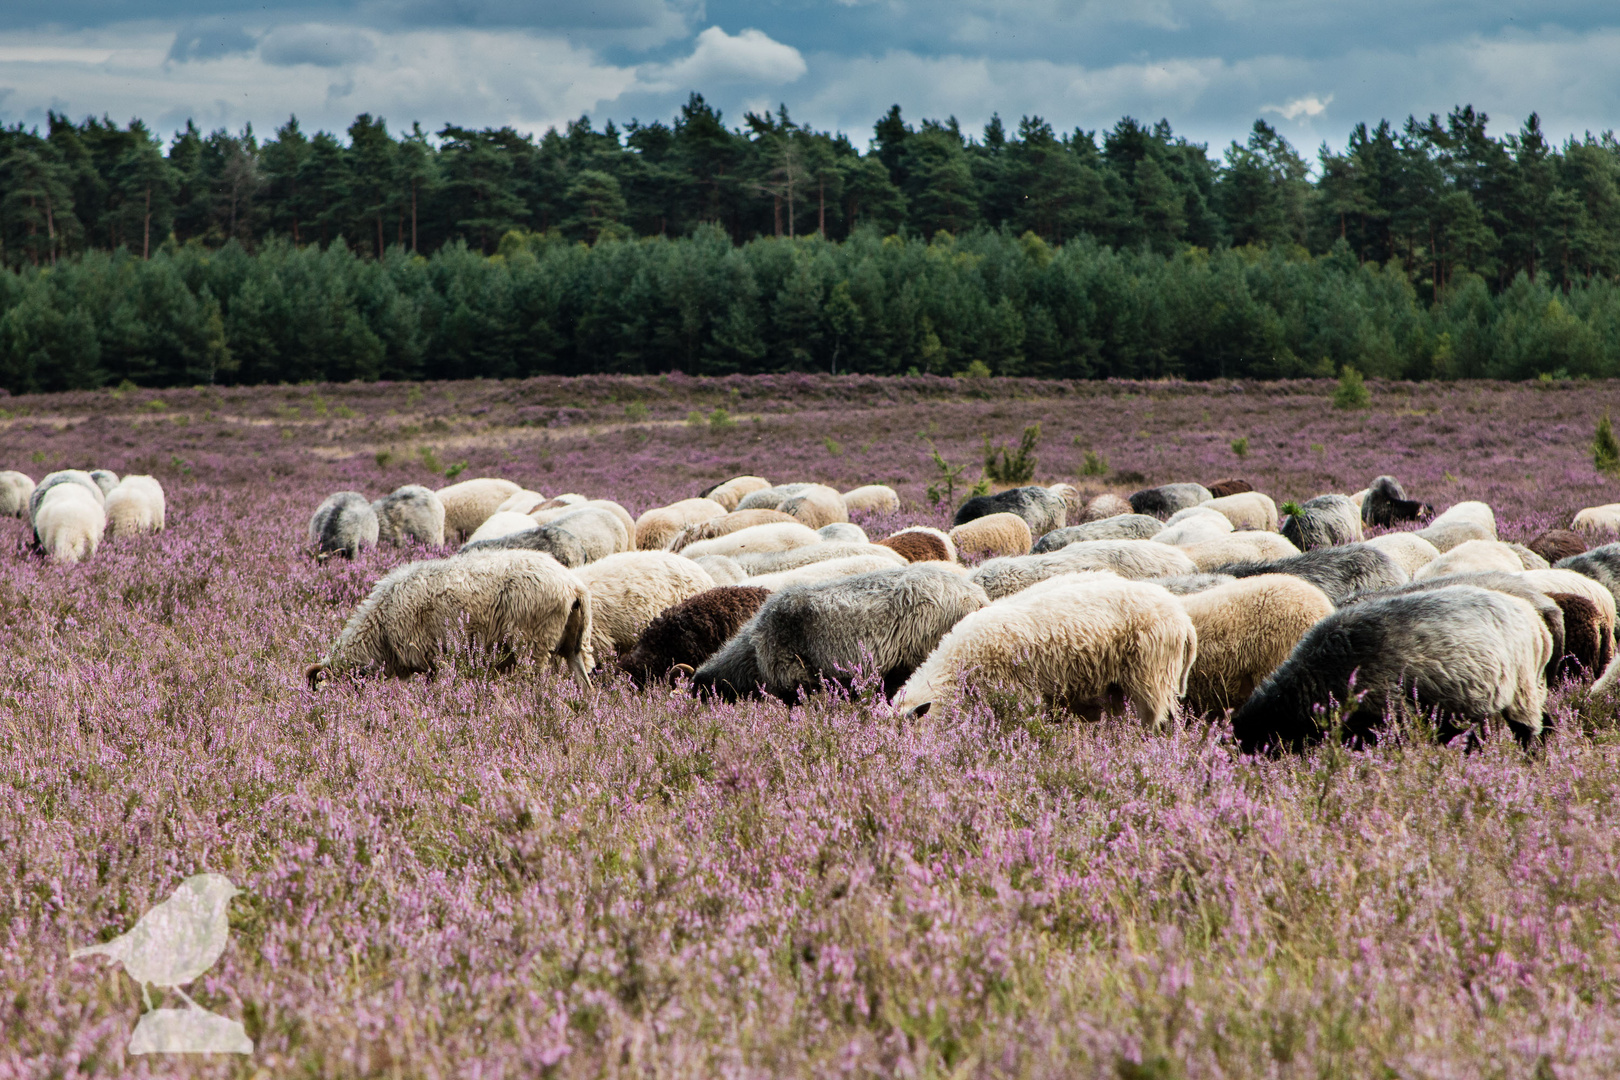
497 872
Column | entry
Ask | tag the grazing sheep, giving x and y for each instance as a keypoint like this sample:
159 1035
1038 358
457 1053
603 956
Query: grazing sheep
689 633
1341 572
873 498
996 534
15 488
916 546
553 539
630 589
1386 504
1137 559
1360 497
1041 509
63 476
521 601
1476 512
69 524
342 525
775 536
928 530
501 523
410 514
816 506
1595 519
808 635
1072 499
1162 501
1072 640
469 504
1561 585
1104 506
1126 526
1555 545
1193 528
724 525
521 502
1469 653
1247 546
1409 550
732 671
135 506
1601 564
1502 581
731 492
1447 535
770 498
1246 510
723 568
772 562
1231 485
1529 559
1245 630
1187 584
569 499
657 527
843 532
1472 556
825 570
1557 580
1324 521
604 527
105 479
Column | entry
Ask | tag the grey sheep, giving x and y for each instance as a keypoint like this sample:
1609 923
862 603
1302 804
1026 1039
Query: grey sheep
105 479
553 539
1136 559
1341 572
410 514
1187 584
1601 564
1041 508
1119 527
342 525
1324 521
770 498
843 532
1166 499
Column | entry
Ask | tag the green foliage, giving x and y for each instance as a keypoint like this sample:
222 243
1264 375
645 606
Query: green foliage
720 419
696 419
636 411
978 369
1012 467
1094 464
430 460
1240 446
455 470
834 447
384 458
1290 508
1352 392
1606 449
942 491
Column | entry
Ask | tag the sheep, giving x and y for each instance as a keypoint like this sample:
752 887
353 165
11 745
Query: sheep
1555 545
1561 585
916 546
1471 556
135 506
469 504
995 534
521 601
1187 584
1246 510
1246 628
411 513
105 479
731 671
568 499
1231 485
553 539
1125 526
69 524
1360 498
1247 546
1072 499
1104 506
501 523
684 636
657 527
521 502
816 506
1447 535
724 525
809 635
1196 527
63 476
342 525
1041 509
1601 564
15 488
1559 580
1476 512
1595 519
1162 501
723 568
772 562
775 536
1324 521
604 527
1468 653
1408 549
1386 504
843 532
1071 640
1340 571
928 530
825 570
1137 559
770 498
1529 559
729 493
873 498
630 589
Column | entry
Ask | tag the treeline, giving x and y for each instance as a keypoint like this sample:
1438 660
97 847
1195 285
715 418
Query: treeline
986 302
1440 198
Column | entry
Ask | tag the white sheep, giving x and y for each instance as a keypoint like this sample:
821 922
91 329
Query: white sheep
545 515
993 535
773 536
522 601
817 505
843 532
136 505
821 571
521 502
1193 525
873 498
771 562
64 476
69 523
501 523
1246 510
1136 559
1070 639
410 512
470 503
724 525
1595 519
631 589
730 493
342 525
1409 550
1239 547
1245 629
1476 512
1469 557
658 526
105 479
724 569
15 488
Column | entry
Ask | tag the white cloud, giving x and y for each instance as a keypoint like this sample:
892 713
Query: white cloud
313 43
750 57
1311 105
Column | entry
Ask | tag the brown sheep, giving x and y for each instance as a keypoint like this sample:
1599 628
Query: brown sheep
1231 485
1556 544
918 546
691 632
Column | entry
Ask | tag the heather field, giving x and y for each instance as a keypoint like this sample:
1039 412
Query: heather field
499 876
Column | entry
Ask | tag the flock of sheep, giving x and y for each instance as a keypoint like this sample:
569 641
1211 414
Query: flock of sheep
1180 595
71 511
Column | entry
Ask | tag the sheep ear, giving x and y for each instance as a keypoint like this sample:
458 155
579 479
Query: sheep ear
315 674
920 710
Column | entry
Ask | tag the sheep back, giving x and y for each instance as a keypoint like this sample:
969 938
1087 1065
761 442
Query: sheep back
730 492
1136 559
773 536
1041 509
994 534
470 503
1103 506
410 514
1555 545
1166 499
816 506
1341 571
342 525
1408 549
1246 510
919 547
1324 521
553 540
690 632
69 524
630 589
15 489
1245 630
1126 526
872 499
657 527
1239 547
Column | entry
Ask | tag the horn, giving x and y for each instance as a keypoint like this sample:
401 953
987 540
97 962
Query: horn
683 669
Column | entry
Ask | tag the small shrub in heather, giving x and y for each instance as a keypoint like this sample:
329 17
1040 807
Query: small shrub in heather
497 874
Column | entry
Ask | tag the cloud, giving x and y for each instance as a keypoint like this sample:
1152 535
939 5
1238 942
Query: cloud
1310 105
633 24
323 46
749 57
208 41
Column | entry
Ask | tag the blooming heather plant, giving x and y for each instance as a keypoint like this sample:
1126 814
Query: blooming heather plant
499 875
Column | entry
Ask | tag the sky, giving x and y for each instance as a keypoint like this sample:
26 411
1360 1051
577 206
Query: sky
1311 68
